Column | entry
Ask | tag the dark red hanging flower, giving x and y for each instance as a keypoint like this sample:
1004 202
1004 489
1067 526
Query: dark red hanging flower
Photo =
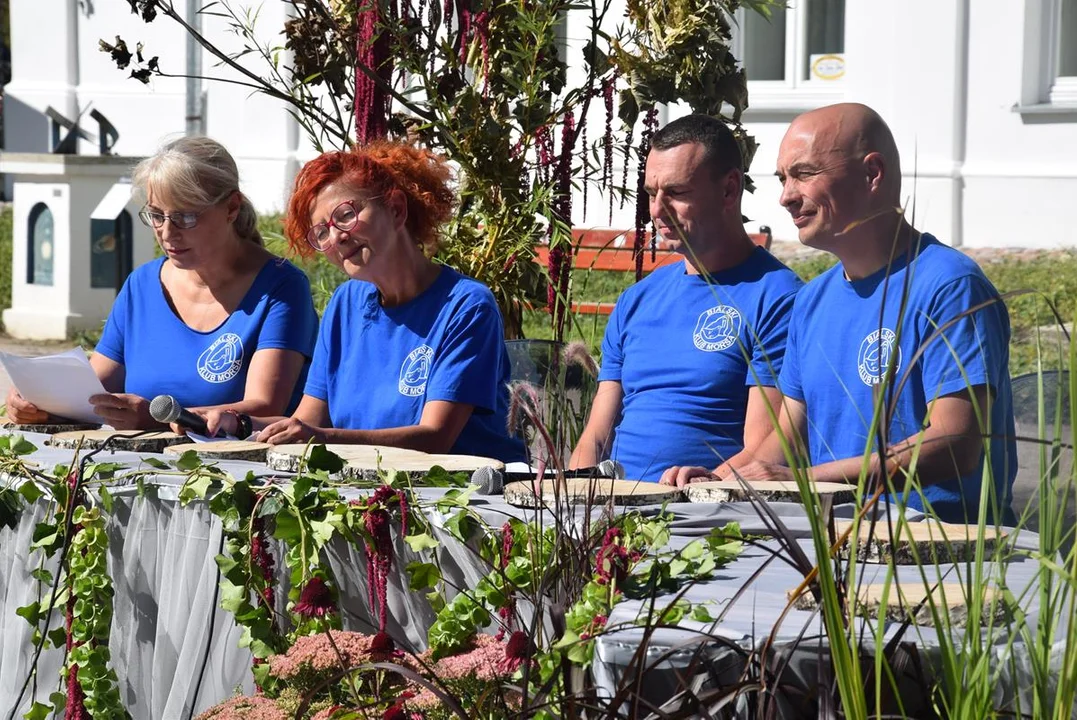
379 550
643 213
372 56
315 600
518 650
609 84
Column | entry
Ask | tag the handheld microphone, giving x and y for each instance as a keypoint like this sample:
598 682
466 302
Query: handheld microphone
165 409
611 469
490 481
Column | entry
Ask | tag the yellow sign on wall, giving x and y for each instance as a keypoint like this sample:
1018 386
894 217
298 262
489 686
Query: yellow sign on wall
830 66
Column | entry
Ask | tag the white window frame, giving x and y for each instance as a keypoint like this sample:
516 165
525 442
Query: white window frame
793 95
1043 90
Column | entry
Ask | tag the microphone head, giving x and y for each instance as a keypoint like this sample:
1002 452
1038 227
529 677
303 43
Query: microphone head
164 409
490 481
611 469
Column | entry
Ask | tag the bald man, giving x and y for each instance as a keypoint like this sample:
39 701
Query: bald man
904 329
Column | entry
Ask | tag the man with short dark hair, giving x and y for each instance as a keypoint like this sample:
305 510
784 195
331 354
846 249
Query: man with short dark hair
692 352
904 329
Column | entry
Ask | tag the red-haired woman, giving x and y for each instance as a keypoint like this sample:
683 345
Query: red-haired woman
410 353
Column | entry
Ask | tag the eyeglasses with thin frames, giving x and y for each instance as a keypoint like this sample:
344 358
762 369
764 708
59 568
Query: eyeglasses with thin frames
344 217
182 220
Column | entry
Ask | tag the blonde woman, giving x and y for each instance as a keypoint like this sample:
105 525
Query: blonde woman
218 321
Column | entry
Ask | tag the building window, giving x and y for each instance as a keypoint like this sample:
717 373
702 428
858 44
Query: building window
41 246
802 44
1063 59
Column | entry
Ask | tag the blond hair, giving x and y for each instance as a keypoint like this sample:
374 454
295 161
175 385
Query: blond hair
196 172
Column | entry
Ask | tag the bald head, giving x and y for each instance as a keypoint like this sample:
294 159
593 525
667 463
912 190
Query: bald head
852 131
840 176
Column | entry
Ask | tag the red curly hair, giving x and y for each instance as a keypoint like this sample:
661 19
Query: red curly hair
376 170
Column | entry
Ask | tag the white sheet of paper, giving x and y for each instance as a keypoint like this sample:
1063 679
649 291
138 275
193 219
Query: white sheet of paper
59 384
195 437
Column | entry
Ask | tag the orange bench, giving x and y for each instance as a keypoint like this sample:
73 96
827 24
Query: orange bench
599 250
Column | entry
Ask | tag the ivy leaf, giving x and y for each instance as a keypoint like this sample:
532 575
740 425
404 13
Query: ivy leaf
31 612
22 446
38 712
41 575
30 491
423 575
436 600
322 530
106 499
700 613
45 534
10 508
196 487
58 637
232 596
103 470
692 550
58 699
189 461
156 463
462 526
324 459
420 542
269 507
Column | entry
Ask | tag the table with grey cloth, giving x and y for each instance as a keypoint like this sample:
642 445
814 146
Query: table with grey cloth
176 652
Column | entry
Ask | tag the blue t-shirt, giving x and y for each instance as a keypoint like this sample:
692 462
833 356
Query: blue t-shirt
161 355
686 350
847 333
376 367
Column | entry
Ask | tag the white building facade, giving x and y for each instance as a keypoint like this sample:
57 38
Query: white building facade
981 96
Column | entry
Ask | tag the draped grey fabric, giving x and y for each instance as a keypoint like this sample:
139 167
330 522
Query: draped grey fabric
176 652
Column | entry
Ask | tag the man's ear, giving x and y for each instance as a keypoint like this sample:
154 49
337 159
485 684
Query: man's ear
875 171
732 188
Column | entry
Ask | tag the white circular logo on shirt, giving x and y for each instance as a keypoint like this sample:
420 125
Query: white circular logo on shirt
877 352
415 371
222 360
717 329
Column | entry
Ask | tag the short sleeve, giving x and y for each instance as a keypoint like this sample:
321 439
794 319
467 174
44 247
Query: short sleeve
317 385
111 343
973 349
769 343
613 346
290 322
468 365
789 381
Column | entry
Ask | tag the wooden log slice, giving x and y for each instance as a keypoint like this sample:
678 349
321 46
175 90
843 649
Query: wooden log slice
717 491
131 440
46 428
223 450
930 541
362 462
594 491
949 599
